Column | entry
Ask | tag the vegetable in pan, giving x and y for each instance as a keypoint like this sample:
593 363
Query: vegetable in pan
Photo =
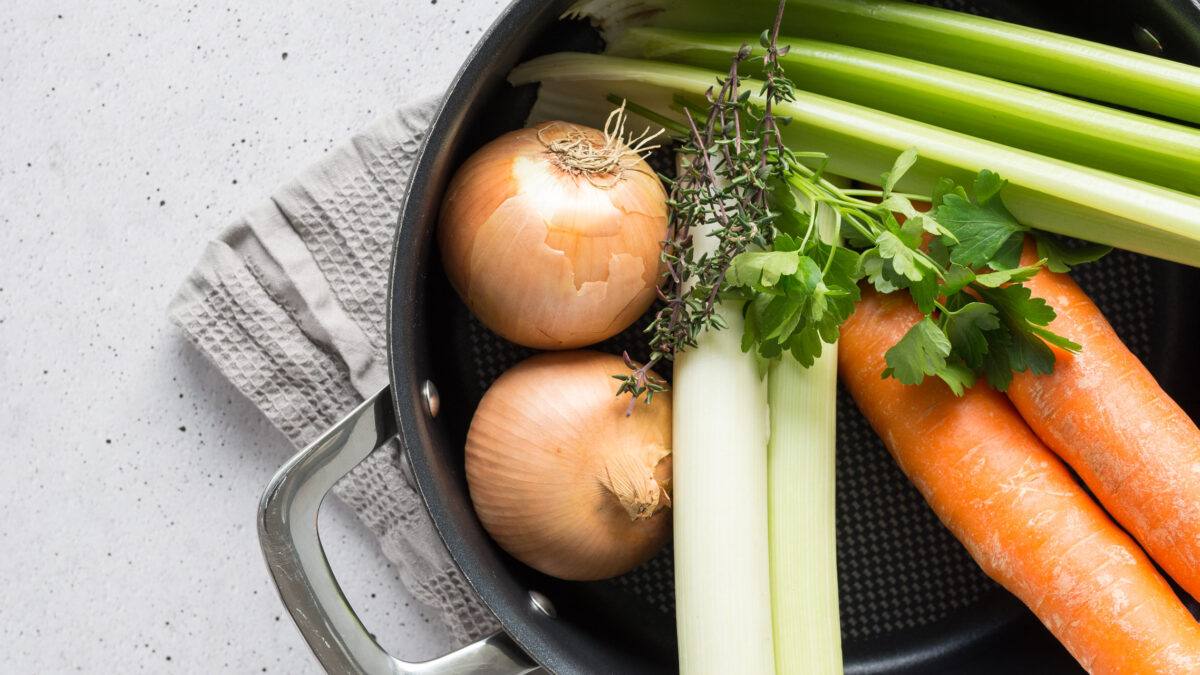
551 234
1107 417
862 143
560 477
787 620
954 39
1017 509
1121 142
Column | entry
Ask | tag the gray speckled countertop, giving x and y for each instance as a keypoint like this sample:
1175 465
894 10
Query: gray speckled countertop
132 132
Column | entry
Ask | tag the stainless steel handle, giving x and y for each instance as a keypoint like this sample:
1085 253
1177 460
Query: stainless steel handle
287 531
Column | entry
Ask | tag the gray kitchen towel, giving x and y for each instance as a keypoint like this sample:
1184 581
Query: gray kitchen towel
289 303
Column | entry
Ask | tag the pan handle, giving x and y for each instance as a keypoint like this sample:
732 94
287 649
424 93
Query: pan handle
287 532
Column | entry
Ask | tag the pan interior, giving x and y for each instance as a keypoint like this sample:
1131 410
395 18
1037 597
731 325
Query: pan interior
911 597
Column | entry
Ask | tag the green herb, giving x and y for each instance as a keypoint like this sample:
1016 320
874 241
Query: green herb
730 155
980 318
1060 258
959 260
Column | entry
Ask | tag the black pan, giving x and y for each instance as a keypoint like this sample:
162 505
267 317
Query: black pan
912 600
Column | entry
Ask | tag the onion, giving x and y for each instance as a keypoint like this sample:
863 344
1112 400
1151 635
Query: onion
552 234
560 477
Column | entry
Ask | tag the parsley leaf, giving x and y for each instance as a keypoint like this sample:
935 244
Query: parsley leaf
1014 275
761 269
795 300
1029 352
900 167
967 328
779 317
925 293
1023 346
922 351
943 187
958 377
1060 258
880 272
1008 255
956 278
805 346
988 184
1017 303
903 258
985 229
997 367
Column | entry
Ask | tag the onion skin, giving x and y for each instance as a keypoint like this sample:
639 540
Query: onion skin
541 255
559 476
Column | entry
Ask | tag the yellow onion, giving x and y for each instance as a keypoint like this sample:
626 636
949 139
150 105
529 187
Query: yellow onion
551 234
561 477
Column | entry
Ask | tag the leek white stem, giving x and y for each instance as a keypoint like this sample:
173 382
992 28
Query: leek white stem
803 533
719 474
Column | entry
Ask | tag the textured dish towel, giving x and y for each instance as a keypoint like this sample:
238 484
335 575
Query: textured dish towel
290 303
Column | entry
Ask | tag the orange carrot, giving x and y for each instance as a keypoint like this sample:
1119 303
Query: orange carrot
1106 416
1017 509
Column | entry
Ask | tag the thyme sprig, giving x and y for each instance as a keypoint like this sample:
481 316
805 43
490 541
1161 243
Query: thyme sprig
727 161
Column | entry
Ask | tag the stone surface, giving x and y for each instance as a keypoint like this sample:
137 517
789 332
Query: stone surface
132 132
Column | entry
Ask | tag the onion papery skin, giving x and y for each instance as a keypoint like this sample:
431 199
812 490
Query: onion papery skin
560 477
543 256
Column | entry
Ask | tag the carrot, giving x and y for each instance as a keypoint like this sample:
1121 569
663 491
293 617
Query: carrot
1106 416
1017 509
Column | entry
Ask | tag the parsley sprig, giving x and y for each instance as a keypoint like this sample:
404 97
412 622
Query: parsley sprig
959 261
799 279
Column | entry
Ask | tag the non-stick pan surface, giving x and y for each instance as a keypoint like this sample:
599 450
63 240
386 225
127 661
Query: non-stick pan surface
912 600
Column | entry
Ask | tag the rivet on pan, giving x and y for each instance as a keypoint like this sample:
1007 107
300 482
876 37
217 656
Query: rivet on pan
1146 40
433 402
542 604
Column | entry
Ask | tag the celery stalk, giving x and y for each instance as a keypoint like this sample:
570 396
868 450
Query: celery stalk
719 504
1058 126
801 488
861 144
958 40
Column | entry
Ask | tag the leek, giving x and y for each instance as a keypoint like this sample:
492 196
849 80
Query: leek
861 144
719 506
1093 135
954 39
801 487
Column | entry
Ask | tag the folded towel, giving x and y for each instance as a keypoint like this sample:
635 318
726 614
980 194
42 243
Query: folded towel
289 303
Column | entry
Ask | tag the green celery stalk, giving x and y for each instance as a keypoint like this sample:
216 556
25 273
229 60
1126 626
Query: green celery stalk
801 463
1085 133
861 144
954 39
